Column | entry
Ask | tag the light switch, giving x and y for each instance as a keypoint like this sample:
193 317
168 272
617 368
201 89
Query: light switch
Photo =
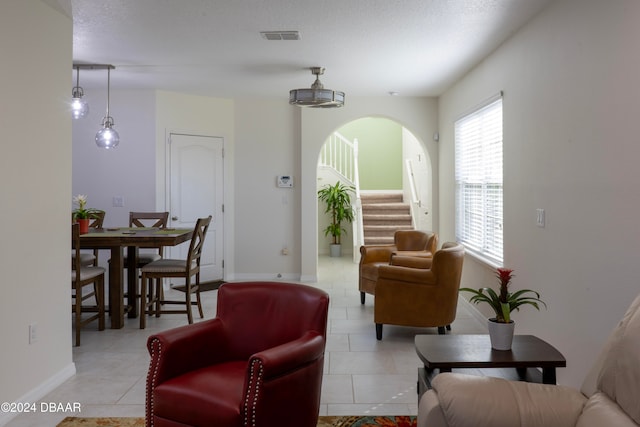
540 217
118 201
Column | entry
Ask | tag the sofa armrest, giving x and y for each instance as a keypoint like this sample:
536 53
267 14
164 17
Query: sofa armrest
376 253
474 401
288 357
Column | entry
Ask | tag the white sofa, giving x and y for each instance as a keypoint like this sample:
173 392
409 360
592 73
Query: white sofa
609 396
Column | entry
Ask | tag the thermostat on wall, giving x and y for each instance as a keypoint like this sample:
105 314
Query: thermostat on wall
285 181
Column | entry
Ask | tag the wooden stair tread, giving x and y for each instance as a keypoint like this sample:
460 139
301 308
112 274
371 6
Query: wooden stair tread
382 215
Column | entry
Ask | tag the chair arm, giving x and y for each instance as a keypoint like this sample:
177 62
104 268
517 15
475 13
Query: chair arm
186 348
406 274
376 253
412 261
474 401
288 357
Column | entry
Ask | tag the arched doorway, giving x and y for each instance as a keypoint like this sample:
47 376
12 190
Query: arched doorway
390 161
420 115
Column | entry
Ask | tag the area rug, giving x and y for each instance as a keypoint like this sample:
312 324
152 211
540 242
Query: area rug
204 286
323 421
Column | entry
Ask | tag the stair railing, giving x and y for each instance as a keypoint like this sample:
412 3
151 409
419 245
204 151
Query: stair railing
341 155
415 200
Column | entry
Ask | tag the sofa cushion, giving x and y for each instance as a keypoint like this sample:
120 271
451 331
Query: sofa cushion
505 403
601 411
620 374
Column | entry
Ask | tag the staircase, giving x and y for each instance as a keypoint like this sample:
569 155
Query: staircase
382 215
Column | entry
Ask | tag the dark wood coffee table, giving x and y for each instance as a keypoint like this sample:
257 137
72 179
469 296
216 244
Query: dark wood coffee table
442 353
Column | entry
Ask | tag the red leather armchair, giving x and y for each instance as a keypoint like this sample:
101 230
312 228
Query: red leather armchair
259 362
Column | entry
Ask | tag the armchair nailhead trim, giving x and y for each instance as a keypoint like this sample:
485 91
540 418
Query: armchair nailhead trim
152 378
256 372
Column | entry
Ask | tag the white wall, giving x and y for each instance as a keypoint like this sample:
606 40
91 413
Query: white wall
198 115
571 101
126 171
422 178
35 177
267 217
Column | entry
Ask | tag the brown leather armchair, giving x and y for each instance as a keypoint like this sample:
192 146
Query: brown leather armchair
258 363
421 293
406 242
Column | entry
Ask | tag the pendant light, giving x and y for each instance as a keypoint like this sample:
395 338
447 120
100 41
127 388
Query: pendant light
79 107
317 96
107 137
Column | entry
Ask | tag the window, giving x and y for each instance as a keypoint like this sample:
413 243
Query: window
478 164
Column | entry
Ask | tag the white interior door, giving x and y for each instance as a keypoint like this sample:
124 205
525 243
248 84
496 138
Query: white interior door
196 191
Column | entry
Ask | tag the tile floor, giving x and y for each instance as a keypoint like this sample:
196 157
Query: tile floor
362 375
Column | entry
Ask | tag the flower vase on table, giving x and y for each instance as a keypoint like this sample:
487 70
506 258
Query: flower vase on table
501 334
83 215
84 225
503 303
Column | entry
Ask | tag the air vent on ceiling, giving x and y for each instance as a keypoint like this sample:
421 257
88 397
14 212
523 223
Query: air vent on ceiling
280 35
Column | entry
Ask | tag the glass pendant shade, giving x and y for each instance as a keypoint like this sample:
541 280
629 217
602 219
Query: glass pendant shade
107 137
79 107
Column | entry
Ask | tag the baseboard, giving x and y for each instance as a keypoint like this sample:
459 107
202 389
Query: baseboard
41 390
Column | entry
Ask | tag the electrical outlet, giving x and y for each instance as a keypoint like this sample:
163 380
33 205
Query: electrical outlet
33 333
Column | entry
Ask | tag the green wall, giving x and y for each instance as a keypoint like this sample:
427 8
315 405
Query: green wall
380 152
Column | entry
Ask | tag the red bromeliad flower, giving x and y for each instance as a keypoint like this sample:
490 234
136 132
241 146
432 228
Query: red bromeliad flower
505 275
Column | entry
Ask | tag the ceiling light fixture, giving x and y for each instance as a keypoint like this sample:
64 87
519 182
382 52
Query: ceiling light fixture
79 107
107 137
317 96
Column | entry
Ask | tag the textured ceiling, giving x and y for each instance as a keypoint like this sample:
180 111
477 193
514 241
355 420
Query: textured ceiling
214 47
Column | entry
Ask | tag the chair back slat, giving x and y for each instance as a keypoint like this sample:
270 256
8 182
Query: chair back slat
197 240
97 219
76 264
148 219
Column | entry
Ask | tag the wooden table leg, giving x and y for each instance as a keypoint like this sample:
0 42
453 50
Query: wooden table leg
132 281
548 375
116 291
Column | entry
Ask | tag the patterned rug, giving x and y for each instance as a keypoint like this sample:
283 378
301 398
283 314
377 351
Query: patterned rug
323 421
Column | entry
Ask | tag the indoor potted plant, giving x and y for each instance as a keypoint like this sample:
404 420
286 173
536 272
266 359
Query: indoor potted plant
82 214
503 303
337 199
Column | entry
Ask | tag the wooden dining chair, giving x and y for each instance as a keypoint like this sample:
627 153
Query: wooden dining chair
81 276
153 302
145 220
91 258
148 219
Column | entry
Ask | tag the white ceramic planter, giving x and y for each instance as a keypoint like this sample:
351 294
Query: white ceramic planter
335 251
501 334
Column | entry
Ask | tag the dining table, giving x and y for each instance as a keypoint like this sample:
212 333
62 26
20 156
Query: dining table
133 238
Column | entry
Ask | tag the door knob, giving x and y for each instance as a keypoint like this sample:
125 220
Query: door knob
174 218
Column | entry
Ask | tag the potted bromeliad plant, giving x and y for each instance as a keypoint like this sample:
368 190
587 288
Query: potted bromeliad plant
337 199
503 303
82 214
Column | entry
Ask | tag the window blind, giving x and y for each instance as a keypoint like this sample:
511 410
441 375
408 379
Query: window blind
478 175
